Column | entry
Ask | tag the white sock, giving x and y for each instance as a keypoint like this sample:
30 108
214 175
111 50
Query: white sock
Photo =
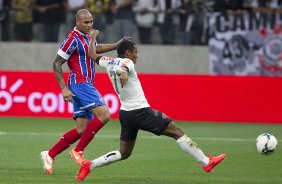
106 159
188 146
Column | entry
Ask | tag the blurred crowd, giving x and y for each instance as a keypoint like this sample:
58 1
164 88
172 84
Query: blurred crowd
147 21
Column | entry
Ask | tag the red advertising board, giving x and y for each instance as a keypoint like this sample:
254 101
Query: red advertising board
182 97
38 94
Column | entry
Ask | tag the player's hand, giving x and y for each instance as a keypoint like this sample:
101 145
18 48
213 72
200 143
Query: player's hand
94 33
123 78
123 39
67 94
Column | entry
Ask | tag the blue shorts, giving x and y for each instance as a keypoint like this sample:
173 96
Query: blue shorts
86 98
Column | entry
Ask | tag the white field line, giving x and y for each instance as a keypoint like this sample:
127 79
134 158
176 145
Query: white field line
117 136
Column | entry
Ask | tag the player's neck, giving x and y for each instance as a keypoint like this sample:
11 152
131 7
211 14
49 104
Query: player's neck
79 32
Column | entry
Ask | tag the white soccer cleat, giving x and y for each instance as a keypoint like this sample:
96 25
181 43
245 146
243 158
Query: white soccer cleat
47 162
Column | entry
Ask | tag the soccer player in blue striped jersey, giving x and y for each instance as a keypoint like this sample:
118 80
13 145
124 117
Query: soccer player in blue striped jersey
90 110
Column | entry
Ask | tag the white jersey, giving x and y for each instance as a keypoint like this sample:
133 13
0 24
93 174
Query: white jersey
131 95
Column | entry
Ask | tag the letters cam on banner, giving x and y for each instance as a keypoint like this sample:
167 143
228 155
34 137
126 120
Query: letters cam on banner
245 44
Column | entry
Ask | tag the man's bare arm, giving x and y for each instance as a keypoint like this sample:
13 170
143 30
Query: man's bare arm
102 48
57 67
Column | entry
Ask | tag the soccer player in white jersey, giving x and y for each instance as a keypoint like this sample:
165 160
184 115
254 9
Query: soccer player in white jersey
135 112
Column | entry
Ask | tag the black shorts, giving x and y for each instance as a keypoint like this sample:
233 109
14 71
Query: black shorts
146 119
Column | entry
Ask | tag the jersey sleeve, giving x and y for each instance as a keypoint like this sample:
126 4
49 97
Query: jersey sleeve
103 61
67 48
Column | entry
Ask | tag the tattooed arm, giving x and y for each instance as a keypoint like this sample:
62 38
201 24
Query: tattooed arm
57 67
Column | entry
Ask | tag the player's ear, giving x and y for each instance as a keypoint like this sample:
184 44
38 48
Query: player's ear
127 52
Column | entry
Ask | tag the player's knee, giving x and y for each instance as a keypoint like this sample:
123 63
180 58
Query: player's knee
80 129
105 117
173 131
179 132
81 124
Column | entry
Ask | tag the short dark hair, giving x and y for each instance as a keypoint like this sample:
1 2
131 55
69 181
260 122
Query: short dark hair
81 12
124 46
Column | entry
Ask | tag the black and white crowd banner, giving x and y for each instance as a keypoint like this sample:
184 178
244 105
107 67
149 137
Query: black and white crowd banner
245 44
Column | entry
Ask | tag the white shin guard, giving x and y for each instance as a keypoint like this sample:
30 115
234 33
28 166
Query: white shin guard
188 146
106 159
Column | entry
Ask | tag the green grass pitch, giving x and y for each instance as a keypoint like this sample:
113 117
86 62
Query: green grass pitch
155 160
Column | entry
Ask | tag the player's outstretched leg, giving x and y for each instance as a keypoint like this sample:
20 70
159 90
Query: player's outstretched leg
191 148
47 162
